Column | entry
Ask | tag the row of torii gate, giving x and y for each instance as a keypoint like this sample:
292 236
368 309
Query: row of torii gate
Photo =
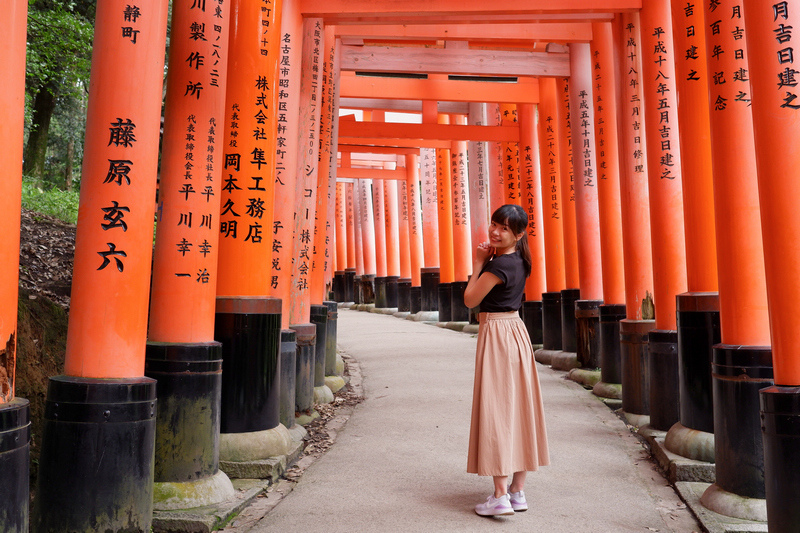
651 146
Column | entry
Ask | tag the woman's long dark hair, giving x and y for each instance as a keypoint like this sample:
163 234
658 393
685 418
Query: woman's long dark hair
516 219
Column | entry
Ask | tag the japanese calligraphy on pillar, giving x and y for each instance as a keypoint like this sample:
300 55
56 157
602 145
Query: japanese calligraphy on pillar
550 165
567 146
664 99
428 171
460 191
726 37
247 190
692 20
527 181
510 154
600 120
782 61
282 229
632 123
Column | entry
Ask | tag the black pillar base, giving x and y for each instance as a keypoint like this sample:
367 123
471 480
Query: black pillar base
367 289
780 424
569 324
15 455
189 388
610 362
338 286
415 299
249 330
445 292
380 292
288 381
532 317
587 324
664 389
319 317
551 321
304 374
430 288
404 295
391 292
459 312
698 332
96 462
739 372
633 338
349 284
330 335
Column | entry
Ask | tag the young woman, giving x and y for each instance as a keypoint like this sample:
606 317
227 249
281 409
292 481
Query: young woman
507 430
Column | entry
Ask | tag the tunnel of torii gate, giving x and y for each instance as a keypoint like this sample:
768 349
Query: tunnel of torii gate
319 154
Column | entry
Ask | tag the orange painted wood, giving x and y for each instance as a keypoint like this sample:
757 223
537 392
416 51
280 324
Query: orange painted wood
550 139
391 227
430 207
358 233
478 176
634 192
415 239
605 107
462 242
663 160
331 100
307 169
531 198
742 286
114 240
777 123
183 298
379 215
287 158
693 114
372 173
366 209
524 91
427 9
444 198
463 62
451 18
442 132
584 161
509 152
571 271
13 28
342 242
542 32
403 222
497 192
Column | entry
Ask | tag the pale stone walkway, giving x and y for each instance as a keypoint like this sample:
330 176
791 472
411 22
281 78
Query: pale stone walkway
399 463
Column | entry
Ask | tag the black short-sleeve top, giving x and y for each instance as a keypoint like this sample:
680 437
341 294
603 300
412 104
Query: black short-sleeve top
505 296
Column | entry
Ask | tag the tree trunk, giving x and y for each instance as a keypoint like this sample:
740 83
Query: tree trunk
68 165
36 150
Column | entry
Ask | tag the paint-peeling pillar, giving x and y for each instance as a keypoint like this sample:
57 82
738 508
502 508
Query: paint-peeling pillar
552 219
741 362
635 209
14 411
771 45
666 207
462 246
87 465
613 308
531 201
571 293
698 309
587 217
430 230
182 354
416 245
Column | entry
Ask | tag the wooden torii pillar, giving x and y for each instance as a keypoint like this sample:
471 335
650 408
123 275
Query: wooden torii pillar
586 305
415 232
608 182
342 251
666 206
509 156
403 227
550 141
444 192
87 465
429 274
14 411
182 354
497 192
462 247
698 309
636 235
379 227
776 124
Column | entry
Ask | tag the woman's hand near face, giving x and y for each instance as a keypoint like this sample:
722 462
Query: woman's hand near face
484 252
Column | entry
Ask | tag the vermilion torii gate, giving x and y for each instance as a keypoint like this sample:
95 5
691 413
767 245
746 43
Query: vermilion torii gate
443 61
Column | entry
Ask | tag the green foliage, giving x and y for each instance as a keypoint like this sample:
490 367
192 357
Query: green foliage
54 202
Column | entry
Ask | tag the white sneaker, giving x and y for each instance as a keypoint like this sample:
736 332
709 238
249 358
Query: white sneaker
517 501
495 506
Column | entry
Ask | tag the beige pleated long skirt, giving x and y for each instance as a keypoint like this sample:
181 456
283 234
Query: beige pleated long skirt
507 430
